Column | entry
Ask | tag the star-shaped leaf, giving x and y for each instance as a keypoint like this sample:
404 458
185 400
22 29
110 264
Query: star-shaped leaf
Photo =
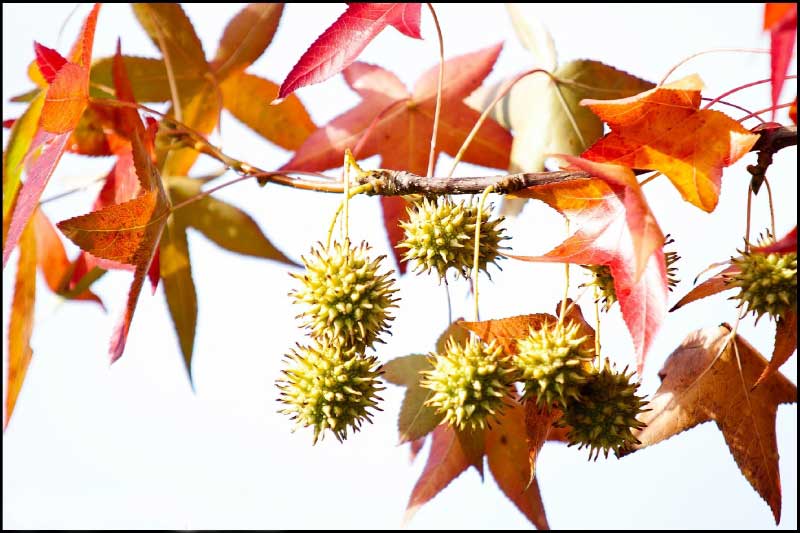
709 377
343 41
664 129
399 125
615 227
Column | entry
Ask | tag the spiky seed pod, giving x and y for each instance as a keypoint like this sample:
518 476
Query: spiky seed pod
604 281
348 299
328 388
469 382
604 417
440 235
553 363
767 282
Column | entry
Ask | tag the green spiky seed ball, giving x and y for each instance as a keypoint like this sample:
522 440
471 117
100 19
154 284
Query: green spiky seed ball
553 363
469 382
604 417
327 388
348 298
440 235
767 282
604 281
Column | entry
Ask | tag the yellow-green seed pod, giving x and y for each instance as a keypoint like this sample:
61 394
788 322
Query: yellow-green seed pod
605 415
347 298
440 235
767 282
328 388
469 383
553 363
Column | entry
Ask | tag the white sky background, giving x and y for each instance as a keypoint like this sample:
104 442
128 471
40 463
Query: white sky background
130 446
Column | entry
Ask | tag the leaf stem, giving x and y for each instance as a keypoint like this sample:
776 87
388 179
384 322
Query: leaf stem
745 86
440 84
501 93
476 255
711 51
771 206
357 190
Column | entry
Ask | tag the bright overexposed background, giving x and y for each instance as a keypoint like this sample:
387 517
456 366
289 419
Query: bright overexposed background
130 445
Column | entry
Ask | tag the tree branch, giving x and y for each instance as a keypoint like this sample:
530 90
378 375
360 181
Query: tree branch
399 182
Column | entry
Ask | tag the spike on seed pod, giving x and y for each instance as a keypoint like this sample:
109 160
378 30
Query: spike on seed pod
440 235
767 282
553 363
604 281
347 298
328 388
605 416
470 382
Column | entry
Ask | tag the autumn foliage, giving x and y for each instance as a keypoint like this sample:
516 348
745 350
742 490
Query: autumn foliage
610 133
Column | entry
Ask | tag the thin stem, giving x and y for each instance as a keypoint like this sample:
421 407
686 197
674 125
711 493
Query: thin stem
504 90
212 190
566 287
357 190
771 206
649 179
712 51
346 176
437 112
73 191
597 325
476 255
760 111
449 303
173 86
745 86
740 108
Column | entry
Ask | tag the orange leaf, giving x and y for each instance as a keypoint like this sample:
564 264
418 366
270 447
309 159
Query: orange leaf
713 285
245 38
20 326
507 455
120 232
506 331
663 129
248 99
708 377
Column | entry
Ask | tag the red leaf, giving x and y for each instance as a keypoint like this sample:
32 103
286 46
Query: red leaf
615 228
9 123
399 125
446 461
343 41
787 244
154 274
64 102
507 455
39 172
781 21
49 61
